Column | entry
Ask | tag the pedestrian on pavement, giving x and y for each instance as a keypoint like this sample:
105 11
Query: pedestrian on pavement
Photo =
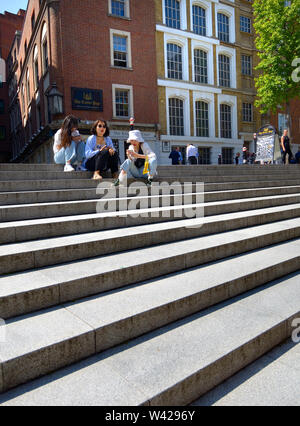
175 156
192 154
66 151
285 146
100 152
141 161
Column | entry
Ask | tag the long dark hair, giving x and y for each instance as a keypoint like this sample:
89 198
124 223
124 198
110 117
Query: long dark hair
94 128
70 122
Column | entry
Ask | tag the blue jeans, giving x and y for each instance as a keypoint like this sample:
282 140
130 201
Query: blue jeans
74 152
129 167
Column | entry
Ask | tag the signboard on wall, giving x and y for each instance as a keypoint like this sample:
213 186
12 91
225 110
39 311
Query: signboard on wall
265 145
87 99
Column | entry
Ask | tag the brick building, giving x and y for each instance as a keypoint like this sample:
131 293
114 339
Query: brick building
206 58
9 24
98 57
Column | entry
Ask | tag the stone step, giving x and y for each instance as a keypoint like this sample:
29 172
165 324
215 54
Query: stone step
272 380
68 208
15 167
28 230
171 366
78 185
59 249
47 286
33 197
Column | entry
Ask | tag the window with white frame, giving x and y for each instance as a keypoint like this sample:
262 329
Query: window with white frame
225 121
176 117
245 24
247 112
202 120
36 68
122 101
28 87
199 20
174 61
120 51
119 8
223 27
200 64
120 42
44 48
172 13
204 155
246 65
224 70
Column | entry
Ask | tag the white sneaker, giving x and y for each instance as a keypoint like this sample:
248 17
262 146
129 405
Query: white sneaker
68 168
81 169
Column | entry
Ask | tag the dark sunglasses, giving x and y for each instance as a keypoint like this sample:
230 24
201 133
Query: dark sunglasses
102 126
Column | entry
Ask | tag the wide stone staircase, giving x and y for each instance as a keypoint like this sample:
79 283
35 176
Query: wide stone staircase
130 300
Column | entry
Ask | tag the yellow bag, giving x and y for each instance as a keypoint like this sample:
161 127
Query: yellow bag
146 168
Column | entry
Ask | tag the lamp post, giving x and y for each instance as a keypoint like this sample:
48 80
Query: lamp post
55 99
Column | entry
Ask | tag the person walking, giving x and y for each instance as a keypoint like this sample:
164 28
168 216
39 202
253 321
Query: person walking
192 154
285 146
66 150
141 161
175 156
100 151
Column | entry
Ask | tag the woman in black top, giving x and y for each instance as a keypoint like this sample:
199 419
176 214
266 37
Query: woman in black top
285 145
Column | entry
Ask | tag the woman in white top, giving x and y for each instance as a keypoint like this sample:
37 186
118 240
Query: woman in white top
138 152
66 151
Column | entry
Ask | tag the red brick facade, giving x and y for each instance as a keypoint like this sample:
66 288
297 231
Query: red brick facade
9 24
79 50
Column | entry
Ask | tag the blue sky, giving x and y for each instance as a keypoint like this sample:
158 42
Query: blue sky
12 5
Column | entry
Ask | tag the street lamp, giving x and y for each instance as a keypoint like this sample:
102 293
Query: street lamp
55 100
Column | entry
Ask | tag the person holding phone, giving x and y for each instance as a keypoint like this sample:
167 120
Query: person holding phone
100 152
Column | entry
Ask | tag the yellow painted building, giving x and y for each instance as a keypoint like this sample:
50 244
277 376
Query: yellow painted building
205 75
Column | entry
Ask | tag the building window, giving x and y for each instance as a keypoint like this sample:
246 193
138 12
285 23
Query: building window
172 10
246 65
199 20
245 24
33 21
227 155
176 119
118 7
2 133
223 27
2 106
225 121
23 99
44 46
122 101
174 58
36 68
200 60
120 51
247 112
224 71
204 155
28 88
202 127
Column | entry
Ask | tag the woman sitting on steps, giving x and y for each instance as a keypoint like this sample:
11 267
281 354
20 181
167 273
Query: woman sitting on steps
100 151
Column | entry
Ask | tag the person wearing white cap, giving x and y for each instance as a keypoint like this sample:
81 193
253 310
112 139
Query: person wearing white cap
66 150
141 160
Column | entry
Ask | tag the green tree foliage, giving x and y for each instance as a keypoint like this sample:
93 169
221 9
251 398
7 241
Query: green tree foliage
277 27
